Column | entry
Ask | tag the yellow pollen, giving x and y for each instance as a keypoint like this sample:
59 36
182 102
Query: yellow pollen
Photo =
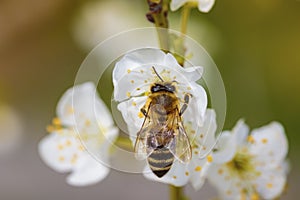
142 71
204 148
264 140
254 196
174 177
138 89
228 192
60 147
50 128
220 171
87 122
74 159
196 152
140 115
189 88
269 185
145 81
128 94
251 139
70 110
186 173
80 148
133 103
56 121
146 93
61 158
198 168
132 81
174 77
201 135
193 131
209 158
128 71
68 143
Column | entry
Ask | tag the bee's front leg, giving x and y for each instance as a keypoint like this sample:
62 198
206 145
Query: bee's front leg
144 111
185 103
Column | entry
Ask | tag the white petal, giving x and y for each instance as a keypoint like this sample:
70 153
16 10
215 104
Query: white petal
199 170
271 183
175 4
58 149
136 59
227 148
205 136
270 144
81 103
88 172
240 132
198 103
178 175
205 5
227 185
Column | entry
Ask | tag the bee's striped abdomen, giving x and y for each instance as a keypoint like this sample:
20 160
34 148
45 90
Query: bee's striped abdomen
160 161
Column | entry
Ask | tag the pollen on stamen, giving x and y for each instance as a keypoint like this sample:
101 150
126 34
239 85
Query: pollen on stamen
138 89
128 71
201 136
209 158
264 140
61 158
251 139
145 81
193 131
70 110
87 122
254 196
188 88
128 94
133 103
68 143
132 81
56 121
60 147
142 71
140 115
269 185
174 177
198 168
80 148
187 173
50 128
74 159
220 171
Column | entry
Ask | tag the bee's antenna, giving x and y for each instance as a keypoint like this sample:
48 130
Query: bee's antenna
157 74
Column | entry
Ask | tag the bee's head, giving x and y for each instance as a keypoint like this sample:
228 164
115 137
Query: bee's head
167 87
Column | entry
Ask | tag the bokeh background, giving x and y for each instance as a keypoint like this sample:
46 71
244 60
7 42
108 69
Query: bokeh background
255 44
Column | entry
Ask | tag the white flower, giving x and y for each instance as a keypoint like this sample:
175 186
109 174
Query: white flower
196 170
250 166
82 119
133 77
203 5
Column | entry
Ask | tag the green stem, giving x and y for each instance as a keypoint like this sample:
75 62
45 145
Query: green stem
124 142
176 193
184 18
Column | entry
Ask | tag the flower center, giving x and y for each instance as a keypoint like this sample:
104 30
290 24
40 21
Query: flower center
242 165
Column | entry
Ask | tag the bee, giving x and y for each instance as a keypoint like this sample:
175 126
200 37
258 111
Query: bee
162 137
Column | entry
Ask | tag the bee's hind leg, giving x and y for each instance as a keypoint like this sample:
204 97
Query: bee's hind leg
143 110
186 99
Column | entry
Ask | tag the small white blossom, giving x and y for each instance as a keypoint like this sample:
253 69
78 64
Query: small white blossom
203 5
250 166
82 119
196 170
133 77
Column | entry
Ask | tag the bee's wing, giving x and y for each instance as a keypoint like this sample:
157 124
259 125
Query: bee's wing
141 148
180 145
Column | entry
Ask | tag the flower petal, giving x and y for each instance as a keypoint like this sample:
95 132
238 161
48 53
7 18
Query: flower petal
271 183
205 5
59 149
81 103
205 137
178 175
88 172
199 169
175 4
270 144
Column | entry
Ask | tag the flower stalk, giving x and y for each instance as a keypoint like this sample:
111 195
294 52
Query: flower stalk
177 193
158 14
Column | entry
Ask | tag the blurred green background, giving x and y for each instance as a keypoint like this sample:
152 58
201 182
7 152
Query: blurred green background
255 44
